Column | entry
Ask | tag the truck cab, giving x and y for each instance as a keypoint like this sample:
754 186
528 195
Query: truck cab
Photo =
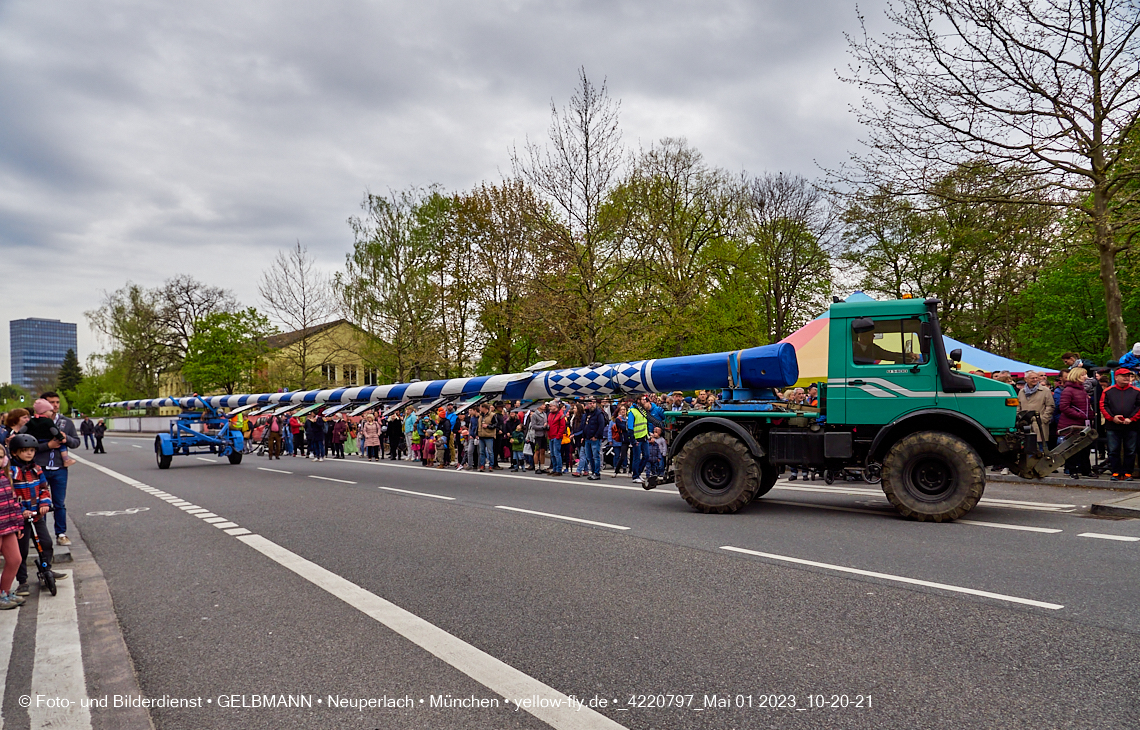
894 406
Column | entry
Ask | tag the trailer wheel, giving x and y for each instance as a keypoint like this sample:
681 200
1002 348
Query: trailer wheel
162 459
235 457
716 473
933 476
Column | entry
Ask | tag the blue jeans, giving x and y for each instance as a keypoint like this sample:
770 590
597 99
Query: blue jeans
88 437
57 482
487 451
556 455
592 453
640 451
1118 441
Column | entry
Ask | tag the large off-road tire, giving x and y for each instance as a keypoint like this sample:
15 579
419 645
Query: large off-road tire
162 459
932 476
768 476
235 457
717 473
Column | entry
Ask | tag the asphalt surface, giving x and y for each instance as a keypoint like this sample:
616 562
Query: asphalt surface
659 613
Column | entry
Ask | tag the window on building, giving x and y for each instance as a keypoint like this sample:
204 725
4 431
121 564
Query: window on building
348 374
328 372
371 376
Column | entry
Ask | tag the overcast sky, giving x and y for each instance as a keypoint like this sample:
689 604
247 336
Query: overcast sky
143 139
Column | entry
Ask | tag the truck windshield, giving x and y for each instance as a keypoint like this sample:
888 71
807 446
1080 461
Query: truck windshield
891 342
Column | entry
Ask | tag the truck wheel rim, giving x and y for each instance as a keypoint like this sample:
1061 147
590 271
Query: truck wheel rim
932 479
716 473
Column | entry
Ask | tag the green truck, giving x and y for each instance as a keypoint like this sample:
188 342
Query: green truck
894 408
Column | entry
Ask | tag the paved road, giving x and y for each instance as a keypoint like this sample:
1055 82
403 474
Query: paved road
293 582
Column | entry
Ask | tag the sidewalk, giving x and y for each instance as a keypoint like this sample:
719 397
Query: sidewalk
1060 480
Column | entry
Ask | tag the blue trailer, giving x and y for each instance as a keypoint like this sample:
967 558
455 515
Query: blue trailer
216 436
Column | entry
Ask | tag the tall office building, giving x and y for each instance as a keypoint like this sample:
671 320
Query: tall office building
38 347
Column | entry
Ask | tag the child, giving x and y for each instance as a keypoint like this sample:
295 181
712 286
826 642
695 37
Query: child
461 456
657 451
43 428
440 449
416 445
34 495
427 450
517 438
11 530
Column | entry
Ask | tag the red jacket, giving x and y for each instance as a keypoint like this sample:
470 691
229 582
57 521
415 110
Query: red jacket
556 425
1075 409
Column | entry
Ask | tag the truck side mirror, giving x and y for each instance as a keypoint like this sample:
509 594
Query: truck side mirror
862 324
925 331
956 355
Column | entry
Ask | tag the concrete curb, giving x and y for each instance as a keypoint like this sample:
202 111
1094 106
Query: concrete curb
1083 482
1126 507
107 663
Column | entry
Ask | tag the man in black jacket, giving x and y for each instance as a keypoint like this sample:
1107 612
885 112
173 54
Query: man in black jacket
1120 406
593 431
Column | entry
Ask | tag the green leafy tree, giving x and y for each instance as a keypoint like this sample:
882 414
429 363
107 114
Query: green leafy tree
227 351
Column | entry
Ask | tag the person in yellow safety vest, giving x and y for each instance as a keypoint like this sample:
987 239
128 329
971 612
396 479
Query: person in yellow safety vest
639 425
238 423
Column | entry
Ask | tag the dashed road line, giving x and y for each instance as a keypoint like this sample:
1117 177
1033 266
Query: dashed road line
136 446
1102 536
562 517
330 479
897 578
879 512
1024 528
275 471
418 494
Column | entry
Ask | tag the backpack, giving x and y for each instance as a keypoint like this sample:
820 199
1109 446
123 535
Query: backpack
615 431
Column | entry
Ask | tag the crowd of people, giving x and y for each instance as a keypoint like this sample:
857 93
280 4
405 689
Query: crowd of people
1081 395
34 462
555 437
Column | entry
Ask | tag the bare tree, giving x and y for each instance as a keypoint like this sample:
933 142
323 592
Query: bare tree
1046 90
183 302
786 230
588 266
298 297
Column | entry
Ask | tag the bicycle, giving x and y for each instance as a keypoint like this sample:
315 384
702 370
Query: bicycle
43 567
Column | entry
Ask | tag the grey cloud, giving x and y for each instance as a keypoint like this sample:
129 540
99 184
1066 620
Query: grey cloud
144 139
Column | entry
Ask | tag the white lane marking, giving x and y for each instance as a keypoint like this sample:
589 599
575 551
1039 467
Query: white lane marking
882 513
480 666
58 667
897 578
196 511
204 515
1101 536
582 481
180 503
330 479
212 520
208 461
8 621
1011 502
136 446
237 531
190 507
223 525
275 471
418 494
1024 528
562 517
